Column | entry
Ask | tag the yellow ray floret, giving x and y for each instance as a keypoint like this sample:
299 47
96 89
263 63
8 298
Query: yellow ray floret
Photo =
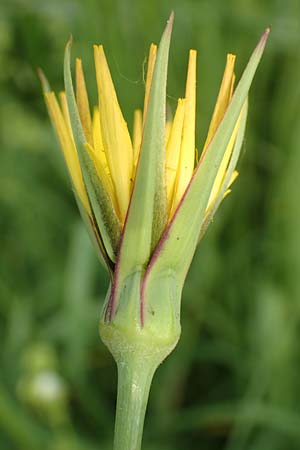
83 102
137 135
232 86
223 166
173 150
68 147
222 169
97 154
168 130
115 136
65 112
187 151
234 176
109 143
98 142
223 99
102 173
150 69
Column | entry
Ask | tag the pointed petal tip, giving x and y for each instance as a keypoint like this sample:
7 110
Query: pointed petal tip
170 23
264 37
40 73
69 44
231 57
68 50
43 79
98 49
95 49
266 33
171 18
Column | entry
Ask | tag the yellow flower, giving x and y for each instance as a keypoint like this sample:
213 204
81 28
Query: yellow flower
115 155
147 201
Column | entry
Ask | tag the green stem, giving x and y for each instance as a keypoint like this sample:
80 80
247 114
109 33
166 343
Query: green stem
134 381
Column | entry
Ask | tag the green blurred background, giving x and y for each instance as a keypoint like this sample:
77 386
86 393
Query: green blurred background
233 382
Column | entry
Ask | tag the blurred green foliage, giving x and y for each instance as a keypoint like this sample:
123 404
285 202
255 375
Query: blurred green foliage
233 381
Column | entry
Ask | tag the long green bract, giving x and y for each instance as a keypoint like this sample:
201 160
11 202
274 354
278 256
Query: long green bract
177 246
93 233
107 220
147 215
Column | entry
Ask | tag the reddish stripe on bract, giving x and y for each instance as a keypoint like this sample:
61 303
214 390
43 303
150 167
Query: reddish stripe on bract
161 243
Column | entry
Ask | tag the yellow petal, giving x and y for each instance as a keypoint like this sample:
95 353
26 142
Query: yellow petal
226 193
102 174
65 111
115 136
223 166
187 151
68 148
223 99
234 176
137 134
83 102
196 156
168 130
97 139
97 153
96 127
173 150
232 86
150 69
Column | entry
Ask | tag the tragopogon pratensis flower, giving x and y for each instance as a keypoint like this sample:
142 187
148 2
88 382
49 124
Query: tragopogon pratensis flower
147 199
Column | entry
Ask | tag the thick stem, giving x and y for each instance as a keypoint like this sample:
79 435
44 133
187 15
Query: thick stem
138 350
134 381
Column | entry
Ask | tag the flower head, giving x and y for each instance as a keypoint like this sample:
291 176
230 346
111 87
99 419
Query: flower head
147 199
